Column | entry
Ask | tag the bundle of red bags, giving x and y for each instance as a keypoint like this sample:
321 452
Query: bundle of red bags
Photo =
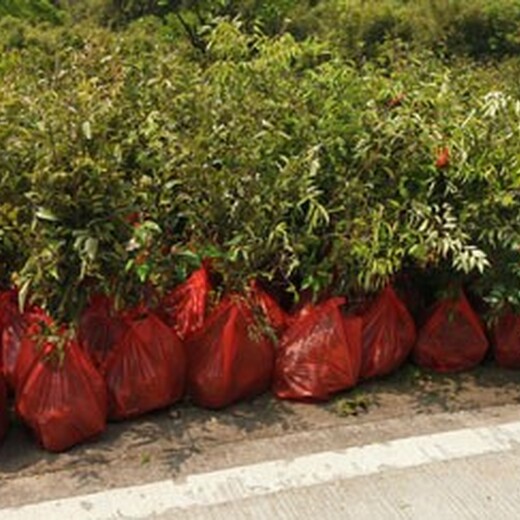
146 368
63 398
506 340
230 358
4 418
319 354
388 335
452 338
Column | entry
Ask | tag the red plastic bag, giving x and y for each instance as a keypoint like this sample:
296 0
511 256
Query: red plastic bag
4 417
17 346
184 308
146 369
388 335
28 350
230 358
100 328
319 355
8 305
63 400
452 339
277 318
8 310
506 341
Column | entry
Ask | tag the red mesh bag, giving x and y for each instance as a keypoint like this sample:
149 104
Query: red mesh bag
18 351
100 328
452 339
146 369
319 355
229 359
276 317
63 400
388 335
4 418
184 308
506 341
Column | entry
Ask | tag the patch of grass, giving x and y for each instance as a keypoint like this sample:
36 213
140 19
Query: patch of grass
355 404
145 459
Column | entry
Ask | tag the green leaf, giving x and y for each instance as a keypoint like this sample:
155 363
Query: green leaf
87 130
91 247
46 214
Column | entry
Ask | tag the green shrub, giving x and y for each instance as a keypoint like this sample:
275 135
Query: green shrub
126 157
480 29
33 10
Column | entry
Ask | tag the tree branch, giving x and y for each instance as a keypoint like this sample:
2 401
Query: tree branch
194 38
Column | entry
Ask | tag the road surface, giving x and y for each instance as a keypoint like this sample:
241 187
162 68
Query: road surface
457 465
426 447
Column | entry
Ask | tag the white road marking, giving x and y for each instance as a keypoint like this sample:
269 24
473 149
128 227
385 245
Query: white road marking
265 478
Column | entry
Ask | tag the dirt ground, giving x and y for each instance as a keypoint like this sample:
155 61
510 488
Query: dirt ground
172 440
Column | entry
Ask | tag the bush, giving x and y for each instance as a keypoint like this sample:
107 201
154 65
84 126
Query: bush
129 156
480 29
34 10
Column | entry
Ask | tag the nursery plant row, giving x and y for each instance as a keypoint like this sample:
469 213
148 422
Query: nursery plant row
147 178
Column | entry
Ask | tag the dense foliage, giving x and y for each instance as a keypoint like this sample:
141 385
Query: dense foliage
33 10
306 143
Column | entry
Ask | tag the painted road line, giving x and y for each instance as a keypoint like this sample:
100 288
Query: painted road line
264 478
